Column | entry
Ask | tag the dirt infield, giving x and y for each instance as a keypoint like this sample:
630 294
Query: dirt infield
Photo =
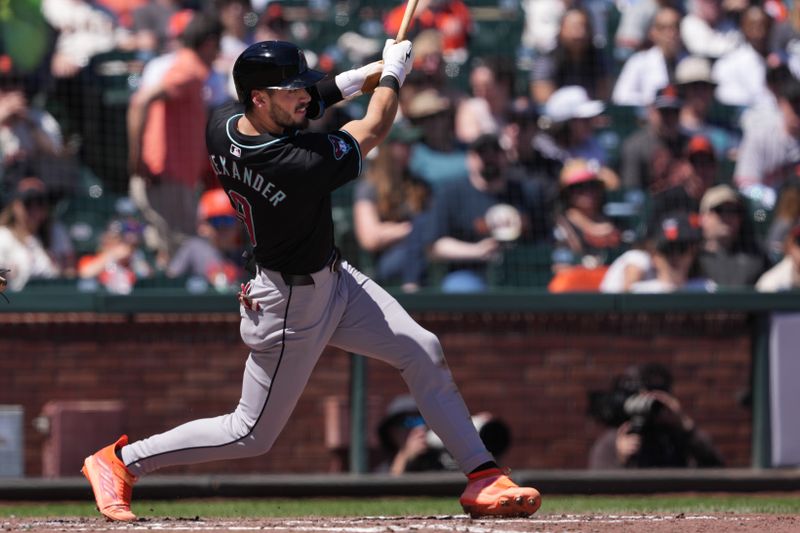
633 523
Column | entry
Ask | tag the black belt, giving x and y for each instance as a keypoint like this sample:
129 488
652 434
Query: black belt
297 280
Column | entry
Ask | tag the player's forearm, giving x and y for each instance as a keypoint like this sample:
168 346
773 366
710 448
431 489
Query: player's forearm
451 249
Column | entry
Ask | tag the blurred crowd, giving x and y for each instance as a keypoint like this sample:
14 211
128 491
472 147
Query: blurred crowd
579 145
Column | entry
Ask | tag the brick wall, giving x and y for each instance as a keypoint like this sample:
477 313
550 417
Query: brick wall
534 370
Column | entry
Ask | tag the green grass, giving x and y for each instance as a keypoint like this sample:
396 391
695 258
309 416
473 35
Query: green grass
255 508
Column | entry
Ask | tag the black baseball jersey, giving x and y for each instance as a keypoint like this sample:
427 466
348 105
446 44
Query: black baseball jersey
281 188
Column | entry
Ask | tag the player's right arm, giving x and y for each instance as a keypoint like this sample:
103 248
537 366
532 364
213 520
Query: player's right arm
371 130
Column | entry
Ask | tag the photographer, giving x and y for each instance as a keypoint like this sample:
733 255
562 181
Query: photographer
409 446
649 428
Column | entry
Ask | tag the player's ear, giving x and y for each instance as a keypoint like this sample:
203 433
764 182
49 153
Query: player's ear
258 97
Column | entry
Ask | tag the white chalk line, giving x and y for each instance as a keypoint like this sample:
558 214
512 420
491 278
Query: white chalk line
452 523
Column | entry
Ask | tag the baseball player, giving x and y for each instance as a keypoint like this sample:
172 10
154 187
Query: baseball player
304 296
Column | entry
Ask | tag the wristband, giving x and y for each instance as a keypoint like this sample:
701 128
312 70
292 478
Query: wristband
390 82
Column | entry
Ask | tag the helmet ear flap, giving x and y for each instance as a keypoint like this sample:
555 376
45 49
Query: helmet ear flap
316 107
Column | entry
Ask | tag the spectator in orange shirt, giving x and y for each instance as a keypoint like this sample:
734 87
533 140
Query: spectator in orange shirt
166 138
451 17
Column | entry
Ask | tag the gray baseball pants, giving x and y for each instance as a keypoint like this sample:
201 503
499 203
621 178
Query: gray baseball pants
286 336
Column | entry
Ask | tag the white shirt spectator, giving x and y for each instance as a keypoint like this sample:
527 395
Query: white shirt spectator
764 152
542 22
741 77
26 259
642 75
781 277
702 40
615 275
634 22
84 30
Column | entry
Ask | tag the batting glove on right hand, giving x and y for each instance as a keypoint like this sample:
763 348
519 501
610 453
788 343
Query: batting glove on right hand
397 59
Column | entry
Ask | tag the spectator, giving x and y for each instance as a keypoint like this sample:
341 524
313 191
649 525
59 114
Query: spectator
785 216
569 116
784 276
584 234
403 437
650 152
215 253
647 71
707 30
542 21
767 151
119 261
730 254
451 18
236 36
741 73
429 67
409 446
28 238
272 24
31 141
690 177
164 182
437 158
696 88
463 233
637 23
667 262
575 61
486 111
151 26
386 203
649 428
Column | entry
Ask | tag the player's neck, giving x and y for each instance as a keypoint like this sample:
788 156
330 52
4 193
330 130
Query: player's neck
250 124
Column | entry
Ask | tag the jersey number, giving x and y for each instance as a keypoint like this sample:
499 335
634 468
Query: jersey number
245 213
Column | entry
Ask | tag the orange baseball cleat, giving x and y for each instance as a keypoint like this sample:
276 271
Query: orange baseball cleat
491 492
111 482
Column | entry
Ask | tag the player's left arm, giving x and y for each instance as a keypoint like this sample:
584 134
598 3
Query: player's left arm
345 86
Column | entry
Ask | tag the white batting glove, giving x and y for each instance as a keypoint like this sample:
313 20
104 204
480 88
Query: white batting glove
353 83
397 59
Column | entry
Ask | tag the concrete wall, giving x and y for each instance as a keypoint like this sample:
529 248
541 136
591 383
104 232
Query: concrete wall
532 369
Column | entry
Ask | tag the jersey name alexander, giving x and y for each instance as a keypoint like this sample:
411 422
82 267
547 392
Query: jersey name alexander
224 167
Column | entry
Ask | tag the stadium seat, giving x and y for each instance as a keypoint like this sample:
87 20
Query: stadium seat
577 279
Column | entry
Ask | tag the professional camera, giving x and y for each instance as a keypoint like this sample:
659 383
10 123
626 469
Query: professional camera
626 402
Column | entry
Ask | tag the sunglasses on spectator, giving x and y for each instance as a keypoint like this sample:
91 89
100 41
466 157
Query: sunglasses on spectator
224 221
727 210
34 201
676 248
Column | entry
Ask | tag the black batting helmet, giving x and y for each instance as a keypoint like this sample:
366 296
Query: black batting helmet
272 65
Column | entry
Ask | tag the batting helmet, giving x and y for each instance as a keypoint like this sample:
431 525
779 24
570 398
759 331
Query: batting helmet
272 65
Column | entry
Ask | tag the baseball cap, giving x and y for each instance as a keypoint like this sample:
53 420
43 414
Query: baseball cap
667 98
577 171
30 189
571 102
718 195
486 142
427 103
677 230
699 144
400 408
214 203
693 69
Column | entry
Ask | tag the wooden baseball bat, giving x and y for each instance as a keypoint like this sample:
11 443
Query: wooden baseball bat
411 6
372 80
